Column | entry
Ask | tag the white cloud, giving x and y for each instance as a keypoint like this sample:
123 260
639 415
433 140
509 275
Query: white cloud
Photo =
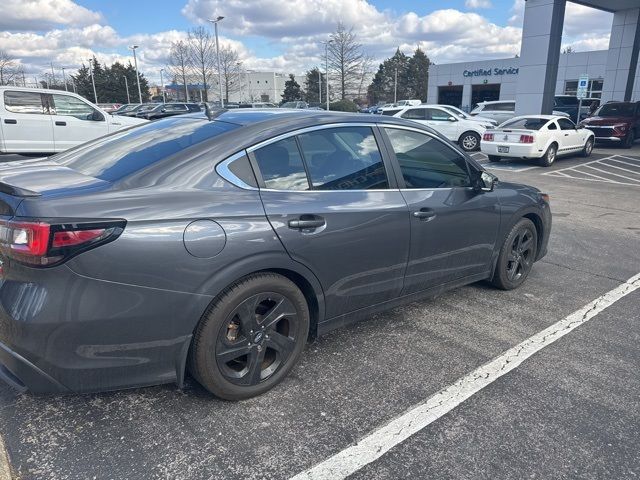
478 4
44 14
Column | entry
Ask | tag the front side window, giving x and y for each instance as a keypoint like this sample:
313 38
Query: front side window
427 162
281 166
566 124
345 158
438 115
23 102
415 114
74 107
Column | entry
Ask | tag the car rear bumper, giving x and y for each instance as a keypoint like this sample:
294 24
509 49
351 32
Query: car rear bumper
62 332
515 150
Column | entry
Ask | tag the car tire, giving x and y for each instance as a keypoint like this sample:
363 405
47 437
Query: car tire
250 337
549 156
629 139
517 254
494 158
588 147
469 141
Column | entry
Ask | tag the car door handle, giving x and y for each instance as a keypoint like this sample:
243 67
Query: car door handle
61 124
10 121
424 214
306 222
566 134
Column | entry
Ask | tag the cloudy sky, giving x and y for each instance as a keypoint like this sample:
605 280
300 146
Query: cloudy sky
276 35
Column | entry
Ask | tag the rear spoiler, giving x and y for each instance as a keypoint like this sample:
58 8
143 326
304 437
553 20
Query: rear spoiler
17 191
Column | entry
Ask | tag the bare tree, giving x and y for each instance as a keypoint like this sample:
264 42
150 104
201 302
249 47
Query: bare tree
202 55
231 68
366 74
345 59
179 64
7 68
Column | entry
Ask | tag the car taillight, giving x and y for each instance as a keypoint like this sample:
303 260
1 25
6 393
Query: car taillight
487 137
526 138
42 244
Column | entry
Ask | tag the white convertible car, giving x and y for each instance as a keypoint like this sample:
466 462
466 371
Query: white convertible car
543 137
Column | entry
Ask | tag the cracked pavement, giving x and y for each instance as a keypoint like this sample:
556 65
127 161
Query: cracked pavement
570 411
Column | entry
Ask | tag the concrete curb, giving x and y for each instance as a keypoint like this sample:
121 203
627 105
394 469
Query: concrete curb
5 467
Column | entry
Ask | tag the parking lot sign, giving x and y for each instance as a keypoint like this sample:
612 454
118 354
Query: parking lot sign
583 86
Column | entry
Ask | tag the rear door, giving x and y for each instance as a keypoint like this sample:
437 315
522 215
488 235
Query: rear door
75 122
453 227
329 197
26 123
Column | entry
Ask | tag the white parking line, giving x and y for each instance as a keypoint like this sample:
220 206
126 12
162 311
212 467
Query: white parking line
614 174
620 168
376 444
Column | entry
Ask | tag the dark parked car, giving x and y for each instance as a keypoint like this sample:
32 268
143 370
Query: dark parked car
617 122
569 104
137 108
221 244
164 110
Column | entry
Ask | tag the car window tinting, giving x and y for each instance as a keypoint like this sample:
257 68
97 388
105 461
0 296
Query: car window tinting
415 114
616 110
119 155
281 166
23 102
552 126
566 124
438 115
526 123
345 158
427 162
241 168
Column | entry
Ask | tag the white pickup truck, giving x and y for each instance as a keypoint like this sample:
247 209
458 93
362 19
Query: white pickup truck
37 120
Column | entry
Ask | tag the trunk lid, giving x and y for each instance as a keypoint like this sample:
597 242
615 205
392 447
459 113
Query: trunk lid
510 135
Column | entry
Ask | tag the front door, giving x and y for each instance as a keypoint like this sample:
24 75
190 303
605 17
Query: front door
26 125
453 227
441 121
75 122
329 198
570 138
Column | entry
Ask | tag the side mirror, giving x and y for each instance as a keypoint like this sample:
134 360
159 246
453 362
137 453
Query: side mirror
485 182
452 119
163 109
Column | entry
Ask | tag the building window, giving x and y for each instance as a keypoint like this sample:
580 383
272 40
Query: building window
595 88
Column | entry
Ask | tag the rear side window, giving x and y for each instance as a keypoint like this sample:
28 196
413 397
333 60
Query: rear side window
391 112
344 158
415 114
124 153
23 102
427 162
281 166
500 107
438 115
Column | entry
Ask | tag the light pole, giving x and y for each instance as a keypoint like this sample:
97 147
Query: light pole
215 28
395 87
64 79
126 84
326 67
53 75
93 82
135 62
319 87
162 86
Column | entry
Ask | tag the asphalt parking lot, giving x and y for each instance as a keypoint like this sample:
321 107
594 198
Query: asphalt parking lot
571 410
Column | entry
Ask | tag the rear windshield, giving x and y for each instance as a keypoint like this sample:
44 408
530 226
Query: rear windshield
567 101
525 123
616 110
119 155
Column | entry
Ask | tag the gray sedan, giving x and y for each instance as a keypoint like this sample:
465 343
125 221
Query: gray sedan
219 244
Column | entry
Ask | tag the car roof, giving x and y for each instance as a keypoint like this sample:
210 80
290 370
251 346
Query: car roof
541 117
490 102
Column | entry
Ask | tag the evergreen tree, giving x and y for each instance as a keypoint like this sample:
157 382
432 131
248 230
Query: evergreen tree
110 83
418 75
314 82
292 90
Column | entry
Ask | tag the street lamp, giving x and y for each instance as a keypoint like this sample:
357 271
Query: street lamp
162 86
126 85
93 82
135 62
326 66
64 78
215 27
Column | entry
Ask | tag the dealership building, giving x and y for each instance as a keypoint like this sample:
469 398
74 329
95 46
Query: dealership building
541 71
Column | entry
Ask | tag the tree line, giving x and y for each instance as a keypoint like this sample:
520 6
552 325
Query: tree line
352 79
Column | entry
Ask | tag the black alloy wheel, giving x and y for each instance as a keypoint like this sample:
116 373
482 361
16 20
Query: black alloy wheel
251 337
517 255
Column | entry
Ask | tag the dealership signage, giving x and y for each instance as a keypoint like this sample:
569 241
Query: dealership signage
488 72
